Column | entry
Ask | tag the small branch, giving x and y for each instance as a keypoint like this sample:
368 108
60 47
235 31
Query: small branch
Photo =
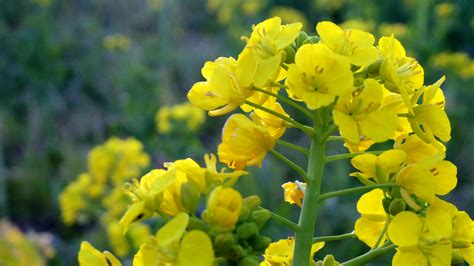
333 238
379 239
369 256
291 225
328 133
335 138
286 100
333 158
291 164
292 146
344 192
283 117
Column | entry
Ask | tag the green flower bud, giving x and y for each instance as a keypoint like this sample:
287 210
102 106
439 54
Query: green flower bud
244 213
290 54
260 217
252 202
190 197
396 206
312 40
224 242
386 204
246 230
374 68
197 224
300 40
249 261
260 243
237 252
395 193
329 260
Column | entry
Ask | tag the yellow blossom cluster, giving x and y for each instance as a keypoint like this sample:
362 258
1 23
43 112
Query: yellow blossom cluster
98 193
457 62
116 42
187 113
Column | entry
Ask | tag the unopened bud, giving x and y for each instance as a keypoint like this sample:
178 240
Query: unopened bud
252 202
237 252
190 197
247 230
290 54
396 206
300 40
244 213
249 261
386 204
260 243
329 260
260 217
196 224
224 242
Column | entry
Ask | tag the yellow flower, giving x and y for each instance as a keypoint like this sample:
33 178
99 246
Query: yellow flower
318 76
73 199
463 235
221 93
276 126
361 116
244 143
373 217
294 192
116 41
422 241
147 196
89 256
400 74
416 149
355 44
186 112
259 62
280 253
379 168
173 246
223 209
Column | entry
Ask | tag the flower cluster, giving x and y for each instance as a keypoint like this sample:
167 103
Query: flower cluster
167 117
342 80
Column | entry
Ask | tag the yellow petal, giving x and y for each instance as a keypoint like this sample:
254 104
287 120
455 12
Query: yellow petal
445 177
347 126
405 229
173 230
247 64
196 249
390 161
267 70
370 204
379 125
365 163
411 256
368 231
89 256
287 35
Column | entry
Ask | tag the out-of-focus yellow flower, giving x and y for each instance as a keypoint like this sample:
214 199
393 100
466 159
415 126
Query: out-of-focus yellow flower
116 42
355 44
173 246
318 76
361 116
422 241
357 24
19 249
147 196
281 252
259 63
458 62
192 116
373 218
399 30
289 15
73 199
444 10
294 192
221 93
88 256
379 168
223 209
244 143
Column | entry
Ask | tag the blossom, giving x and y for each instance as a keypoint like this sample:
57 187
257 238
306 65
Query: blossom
221 93
378 169
259 63
355 44
223 209
281 252
294 192
373 218
88 255
318 76
244 142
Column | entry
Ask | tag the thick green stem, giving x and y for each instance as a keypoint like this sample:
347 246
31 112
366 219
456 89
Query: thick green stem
309 210
348 191
369 256
333 238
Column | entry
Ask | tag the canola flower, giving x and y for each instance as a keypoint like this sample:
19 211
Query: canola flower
191 116
351 89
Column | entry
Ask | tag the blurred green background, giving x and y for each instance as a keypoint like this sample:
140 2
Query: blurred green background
75 72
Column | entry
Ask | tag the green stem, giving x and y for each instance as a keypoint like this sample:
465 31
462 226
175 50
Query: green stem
293 226
333 238
327 134
293 146
343 192
369 256
286 100
283 117
333 158
309 210
379 239
290 163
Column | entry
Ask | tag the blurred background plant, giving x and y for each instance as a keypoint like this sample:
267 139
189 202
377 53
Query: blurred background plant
74 73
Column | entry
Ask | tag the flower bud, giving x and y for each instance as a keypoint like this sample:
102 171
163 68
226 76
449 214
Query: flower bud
224 242
386 204
329 260
237 252
301 39
249 261
190 197
290 54
244 213
260 217
260 243
247 230
223 209
252 202
196 224
396 206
